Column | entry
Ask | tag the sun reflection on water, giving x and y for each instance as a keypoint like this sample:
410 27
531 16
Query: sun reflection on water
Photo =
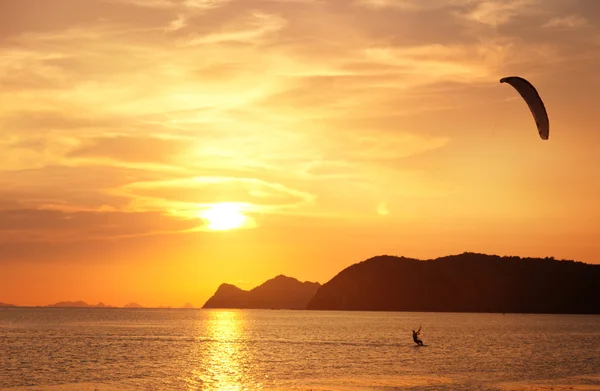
223 364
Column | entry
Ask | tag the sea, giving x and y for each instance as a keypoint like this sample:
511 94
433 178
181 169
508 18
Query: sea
197 349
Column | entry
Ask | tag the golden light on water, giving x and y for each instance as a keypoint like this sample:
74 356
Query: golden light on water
226 359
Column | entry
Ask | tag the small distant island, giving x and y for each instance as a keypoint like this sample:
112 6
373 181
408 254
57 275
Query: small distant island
78 304
467 282
6 305
281 292
132 305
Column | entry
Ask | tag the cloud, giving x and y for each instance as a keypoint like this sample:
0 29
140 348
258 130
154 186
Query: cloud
381 146
252 29
566 22
132 149
72 188
148 3
500 12
205 4
32 225
399 4
410 5
193 194
45 120
41 17
177 24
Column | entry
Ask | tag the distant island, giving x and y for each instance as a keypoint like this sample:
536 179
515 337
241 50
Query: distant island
281 292
6 305
468 282
78 304
132 305
83 304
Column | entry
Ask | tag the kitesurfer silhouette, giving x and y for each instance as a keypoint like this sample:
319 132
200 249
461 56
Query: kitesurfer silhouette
416 337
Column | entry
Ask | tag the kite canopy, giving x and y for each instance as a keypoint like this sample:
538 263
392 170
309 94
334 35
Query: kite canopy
533 100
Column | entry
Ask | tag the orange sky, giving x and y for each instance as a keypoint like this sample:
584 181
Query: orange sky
341 129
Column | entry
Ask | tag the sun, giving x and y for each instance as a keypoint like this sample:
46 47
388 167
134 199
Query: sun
224 216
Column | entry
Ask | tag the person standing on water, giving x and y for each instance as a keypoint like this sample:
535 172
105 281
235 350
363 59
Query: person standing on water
416 337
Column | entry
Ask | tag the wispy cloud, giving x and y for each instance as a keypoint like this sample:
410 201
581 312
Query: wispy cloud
566 22
177 24
132 149
191 195
252 29
497 12
378 4
33 225
148 3
205 4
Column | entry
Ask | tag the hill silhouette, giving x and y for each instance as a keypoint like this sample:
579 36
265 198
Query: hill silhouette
468 282
6 305
280 292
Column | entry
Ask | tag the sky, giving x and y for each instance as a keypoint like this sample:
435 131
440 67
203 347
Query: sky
135 135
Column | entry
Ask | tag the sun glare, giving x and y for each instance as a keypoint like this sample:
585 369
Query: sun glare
224 216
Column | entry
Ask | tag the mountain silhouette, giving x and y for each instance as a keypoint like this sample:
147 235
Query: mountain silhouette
468 282
280 292
6 305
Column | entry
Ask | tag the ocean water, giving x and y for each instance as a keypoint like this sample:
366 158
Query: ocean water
171 349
